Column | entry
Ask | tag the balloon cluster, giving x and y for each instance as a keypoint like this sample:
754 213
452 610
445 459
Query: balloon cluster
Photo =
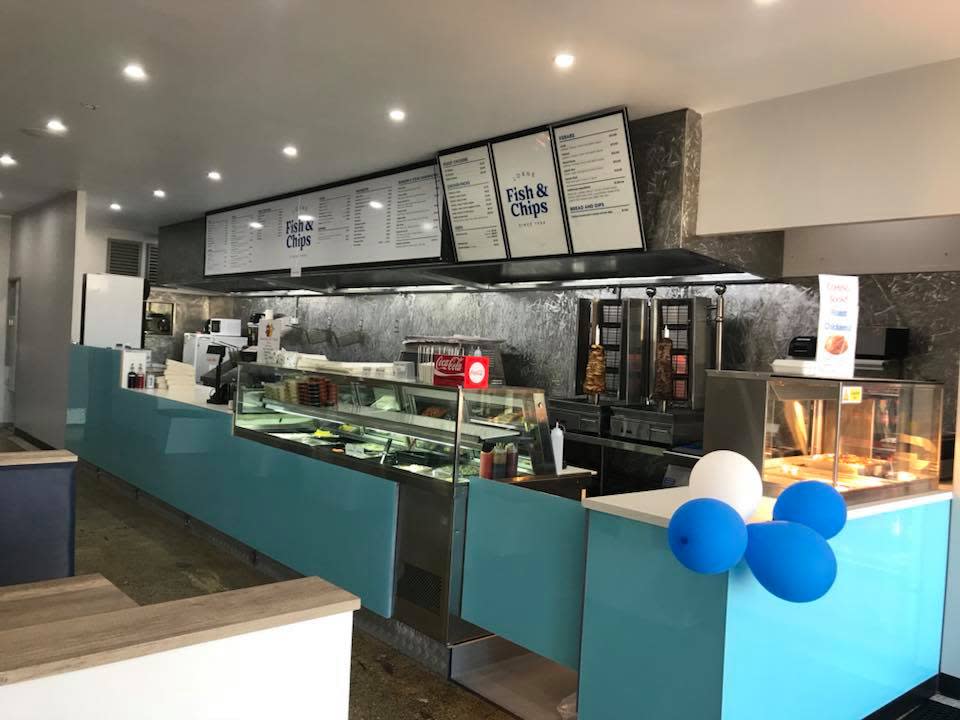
789 555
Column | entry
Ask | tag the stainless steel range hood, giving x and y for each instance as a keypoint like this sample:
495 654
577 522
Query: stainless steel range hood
625 269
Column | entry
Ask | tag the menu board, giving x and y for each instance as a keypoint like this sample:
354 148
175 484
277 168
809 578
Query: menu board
389 218
530 195
471 196
599 191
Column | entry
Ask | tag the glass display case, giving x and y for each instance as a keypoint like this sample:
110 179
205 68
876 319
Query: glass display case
396 428
870 439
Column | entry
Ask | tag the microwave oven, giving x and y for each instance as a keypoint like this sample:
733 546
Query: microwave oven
224 326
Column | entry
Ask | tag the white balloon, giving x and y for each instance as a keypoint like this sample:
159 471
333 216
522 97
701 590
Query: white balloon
730 477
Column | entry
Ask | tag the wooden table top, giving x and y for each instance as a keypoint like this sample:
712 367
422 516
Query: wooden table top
36 457
53 600
75 643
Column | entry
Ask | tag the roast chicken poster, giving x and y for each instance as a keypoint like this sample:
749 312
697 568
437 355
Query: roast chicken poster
837 333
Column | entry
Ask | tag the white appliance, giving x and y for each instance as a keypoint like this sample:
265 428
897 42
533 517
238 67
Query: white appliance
225 326
111 311
195 350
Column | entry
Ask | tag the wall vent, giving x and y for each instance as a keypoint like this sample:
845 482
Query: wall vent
123 257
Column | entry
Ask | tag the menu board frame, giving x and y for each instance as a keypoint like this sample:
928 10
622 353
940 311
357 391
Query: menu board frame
496 186
443 256
561 204
622 113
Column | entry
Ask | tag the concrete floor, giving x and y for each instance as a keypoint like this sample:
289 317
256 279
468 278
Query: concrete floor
153 559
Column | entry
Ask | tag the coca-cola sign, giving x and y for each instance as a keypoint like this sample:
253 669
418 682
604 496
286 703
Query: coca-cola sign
469 371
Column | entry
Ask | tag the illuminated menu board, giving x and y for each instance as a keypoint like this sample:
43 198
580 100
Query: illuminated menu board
389 218
599 190
471 196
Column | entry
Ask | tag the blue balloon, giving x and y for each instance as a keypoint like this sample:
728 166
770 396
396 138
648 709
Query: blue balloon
707 536
814 504
791 560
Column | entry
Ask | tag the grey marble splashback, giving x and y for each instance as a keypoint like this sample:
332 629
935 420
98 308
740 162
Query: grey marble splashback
539 328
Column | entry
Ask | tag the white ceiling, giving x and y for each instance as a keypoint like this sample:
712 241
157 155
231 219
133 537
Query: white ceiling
232 81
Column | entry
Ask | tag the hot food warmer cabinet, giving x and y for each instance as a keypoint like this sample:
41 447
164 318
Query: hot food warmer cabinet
871 439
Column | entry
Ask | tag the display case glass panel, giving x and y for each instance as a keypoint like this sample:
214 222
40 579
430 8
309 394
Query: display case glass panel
391 426
871 439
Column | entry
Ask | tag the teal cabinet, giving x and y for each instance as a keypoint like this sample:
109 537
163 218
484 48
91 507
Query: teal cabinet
317 518
523 568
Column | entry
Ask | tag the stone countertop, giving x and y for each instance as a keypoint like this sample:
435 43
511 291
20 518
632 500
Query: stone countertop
195 395
656 507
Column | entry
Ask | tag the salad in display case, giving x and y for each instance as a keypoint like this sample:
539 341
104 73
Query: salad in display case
394 427
871 439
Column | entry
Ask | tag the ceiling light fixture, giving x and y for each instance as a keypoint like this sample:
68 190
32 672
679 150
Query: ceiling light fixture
398 115
55 125
256 225
116 207
291 151
158 193
563 60
304 218
376 205
135 71
428 226
7 160
215 176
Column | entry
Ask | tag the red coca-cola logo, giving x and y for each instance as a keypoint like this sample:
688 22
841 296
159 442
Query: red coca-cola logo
449 364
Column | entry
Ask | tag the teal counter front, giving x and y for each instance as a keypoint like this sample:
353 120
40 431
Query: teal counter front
315 517
663 642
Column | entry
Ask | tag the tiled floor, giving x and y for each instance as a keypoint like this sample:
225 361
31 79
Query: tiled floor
152 559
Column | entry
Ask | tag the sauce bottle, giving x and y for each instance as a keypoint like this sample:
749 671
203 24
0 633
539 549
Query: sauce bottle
132 377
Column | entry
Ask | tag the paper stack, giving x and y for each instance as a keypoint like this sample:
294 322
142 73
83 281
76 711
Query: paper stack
179 375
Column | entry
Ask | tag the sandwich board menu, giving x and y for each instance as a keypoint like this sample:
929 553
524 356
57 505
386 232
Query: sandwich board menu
530 195
599 191
471 196
387 218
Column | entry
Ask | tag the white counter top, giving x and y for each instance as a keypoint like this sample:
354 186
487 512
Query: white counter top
656 507
195 395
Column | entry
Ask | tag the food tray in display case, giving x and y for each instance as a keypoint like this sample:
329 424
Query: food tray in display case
871 439
395 428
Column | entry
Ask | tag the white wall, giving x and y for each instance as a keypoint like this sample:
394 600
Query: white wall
91 257
895 246
6 411
882 148
43 249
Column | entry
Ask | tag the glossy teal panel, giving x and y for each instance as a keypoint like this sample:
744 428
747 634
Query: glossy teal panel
523 568
874 636
317 518
653 631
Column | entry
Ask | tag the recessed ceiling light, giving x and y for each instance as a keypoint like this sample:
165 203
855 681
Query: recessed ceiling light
116 207
7 160
135 71
55 125
427 226
563 60
215 176
256 225
304 218
397 115
376 205
290 151
158 193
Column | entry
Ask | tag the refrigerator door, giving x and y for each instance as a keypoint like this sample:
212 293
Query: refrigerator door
112 311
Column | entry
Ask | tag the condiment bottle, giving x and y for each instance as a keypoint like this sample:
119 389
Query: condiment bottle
140 379
511 470
486 462
499 462
132 377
